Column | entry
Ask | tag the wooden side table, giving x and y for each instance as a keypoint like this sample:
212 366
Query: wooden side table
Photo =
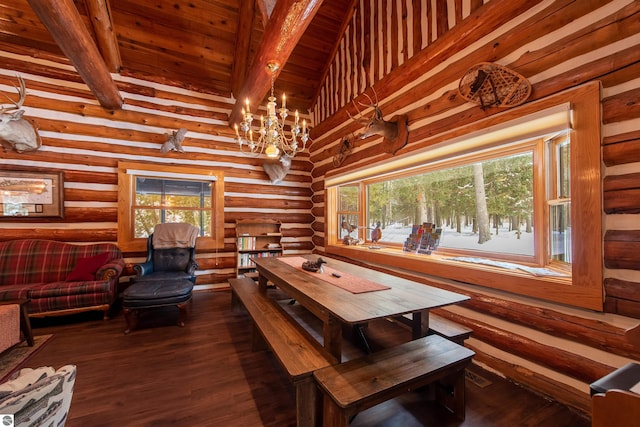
25 323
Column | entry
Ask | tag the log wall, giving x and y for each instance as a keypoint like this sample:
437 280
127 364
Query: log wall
414 55
85 142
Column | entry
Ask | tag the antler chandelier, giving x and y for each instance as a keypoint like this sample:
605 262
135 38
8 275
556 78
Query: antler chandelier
272 139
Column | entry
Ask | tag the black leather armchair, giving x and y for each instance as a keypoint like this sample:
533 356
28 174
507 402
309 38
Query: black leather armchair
167 277
167 264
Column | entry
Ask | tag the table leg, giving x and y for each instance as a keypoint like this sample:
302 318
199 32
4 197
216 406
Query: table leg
420 324
25 324
332 331
262 283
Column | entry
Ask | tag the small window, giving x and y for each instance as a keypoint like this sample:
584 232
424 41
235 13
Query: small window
149 195
159 200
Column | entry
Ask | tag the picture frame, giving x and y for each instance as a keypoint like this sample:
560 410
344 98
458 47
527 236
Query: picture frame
26 194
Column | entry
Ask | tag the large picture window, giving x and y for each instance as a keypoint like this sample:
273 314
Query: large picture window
151 194
513 203
478 205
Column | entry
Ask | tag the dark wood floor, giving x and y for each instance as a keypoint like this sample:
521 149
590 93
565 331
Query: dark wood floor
205 375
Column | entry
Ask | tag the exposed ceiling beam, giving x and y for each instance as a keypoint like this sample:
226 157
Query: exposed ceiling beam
246 12
287 24
65 25
100 14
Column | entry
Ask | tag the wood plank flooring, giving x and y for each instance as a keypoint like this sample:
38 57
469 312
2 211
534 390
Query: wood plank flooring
206 375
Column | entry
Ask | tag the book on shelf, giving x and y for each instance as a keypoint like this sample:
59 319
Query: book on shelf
246 243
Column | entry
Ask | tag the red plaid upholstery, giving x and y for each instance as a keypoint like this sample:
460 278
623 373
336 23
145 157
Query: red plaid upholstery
37 269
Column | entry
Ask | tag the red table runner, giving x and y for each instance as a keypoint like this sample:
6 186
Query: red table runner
346 281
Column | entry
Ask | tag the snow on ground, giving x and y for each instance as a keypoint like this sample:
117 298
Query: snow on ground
505 241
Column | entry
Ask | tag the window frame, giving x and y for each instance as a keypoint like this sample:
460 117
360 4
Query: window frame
584 288
127 173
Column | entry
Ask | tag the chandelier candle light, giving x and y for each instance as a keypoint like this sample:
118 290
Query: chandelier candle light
272 139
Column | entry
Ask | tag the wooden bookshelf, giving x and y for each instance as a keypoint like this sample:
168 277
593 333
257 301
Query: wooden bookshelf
255 239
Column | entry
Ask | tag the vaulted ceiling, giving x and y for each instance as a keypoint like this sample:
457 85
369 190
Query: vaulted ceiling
212 46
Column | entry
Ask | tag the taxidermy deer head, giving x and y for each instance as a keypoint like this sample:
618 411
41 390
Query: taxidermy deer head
174 142
16 133
277 169
395 132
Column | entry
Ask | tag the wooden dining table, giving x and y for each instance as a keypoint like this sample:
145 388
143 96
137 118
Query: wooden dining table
336 306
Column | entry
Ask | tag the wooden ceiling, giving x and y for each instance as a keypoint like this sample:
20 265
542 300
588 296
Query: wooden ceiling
204 45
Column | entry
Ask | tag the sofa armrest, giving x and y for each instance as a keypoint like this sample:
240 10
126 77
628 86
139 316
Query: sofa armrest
111 270
143 269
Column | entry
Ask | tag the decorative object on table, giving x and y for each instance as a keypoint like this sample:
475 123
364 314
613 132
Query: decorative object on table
16 133
314 266
31 194
277 169
174 141
423 239
492 85
376 233
272 139
395 132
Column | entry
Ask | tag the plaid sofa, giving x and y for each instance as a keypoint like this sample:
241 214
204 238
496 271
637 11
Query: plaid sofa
47 272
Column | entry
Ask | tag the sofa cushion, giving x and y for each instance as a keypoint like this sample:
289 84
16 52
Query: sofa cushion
44 261
86 268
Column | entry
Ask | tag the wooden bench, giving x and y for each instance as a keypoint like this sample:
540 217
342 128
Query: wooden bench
296 350
442 326
358 384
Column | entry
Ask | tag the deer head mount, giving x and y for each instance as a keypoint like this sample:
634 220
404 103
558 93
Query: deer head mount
16 133
395 132
277 169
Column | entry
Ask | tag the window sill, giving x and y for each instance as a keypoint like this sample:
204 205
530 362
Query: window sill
550 288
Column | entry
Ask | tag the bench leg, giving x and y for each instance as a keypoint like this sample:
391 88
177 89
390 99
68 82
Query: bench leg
306 402
258 342
236 304
450 393
333 415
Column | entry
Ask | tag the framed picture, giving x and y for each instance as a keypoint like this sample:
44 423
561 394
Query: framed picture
26 194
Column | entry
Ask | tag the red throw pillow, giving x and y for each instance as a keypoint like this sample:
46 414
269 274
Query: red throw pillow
86 268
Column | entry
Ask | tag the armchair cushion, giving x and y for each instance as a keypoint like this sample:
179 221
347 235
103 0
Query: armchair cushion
173 259
86 268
